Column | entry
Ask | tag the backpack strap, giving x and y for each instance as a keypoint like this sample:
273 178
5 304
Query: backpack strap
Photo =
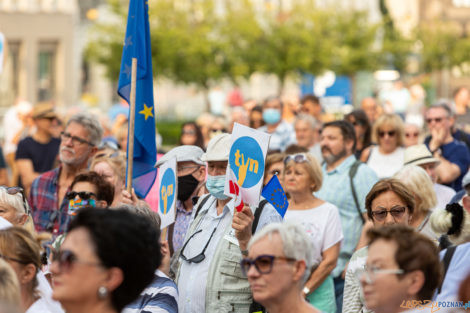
352 173
201 205
258 212
446 261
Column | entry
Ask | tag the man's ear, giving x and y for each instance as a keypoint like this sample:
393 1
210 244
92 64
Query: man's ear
349 145
200 173
466 203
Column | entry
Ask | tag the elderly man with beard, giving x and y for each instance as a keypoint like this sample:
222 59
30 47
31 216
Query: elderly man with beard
346 182
78 144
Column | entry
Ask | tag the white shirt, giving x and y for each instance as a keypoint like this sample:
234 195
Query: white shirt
193 276
444 194
386 165
322 224
40 306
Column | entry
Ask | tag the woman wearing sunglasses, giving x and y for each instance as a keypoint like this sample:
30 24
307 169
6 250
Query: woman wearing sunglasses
280 257
388 202
387 157
302 177
107 258
22 252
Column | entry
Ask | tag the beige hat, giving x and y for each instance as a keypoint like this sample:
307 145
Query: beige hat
44 110
185 153
419 154
218 148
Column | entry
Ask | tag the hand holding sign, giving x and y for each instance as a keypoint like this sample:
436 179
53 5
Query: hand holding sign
242 223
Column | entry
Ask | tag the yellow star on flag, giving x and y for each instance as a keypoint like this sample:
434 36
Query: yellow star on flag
147 111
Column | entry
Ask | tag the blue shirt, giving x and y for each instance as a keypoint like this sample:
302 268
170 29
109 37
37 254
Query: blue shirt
161 296
282 137
459 268
336 189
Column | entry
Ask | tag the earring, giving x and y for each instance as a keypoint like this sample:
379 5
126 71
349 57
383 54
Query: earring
102 292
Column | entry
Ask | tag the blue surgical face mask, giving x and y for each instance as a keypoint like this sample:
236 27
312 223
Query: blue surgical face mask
215 185
271 116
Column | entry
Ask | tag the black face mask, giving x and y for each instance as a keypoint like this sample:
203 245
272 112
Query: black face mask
186 186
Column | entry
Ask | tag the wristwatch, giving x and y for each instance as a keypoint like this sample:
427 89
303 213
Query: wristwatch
306 290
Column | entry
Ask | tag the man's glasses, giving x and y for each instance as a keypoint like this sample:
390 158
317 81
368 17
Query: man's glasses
390 133
75 140
15 190
67 258
201 256
396 213
411 135
437 120
262 263
371 272
297 158
7 258
84 195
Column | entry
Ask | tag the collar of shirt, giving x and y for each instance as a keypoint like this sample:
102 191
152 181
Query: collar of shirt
345 165
212 207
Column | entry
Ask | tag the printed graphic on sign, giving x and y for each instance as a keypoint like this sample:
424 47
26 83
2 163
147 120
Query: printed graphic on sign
167 192
245 170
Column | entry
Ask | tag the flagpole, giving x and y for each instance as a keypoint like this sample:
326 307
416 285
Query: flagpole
130 137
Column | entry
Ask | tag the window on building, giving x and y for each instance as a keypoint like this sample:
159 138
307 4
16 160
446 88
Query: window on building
46 71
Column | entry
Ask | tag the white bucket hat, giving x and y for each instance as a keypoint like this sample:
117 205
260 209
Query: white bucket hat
218 148
419 154
183 154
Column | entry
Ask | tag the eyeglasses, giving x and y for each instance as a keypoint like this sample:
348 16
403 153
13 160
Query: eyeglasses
390 133
13 259
188 132
396 213
437 120
371 272
223 130
84 195
75 140
409 135
15 190
182 168
201 256
297 158
262 263
67 258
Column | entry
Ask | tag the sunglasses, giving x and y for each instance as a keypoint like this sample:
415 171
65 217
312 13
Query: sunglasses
201 256
411 135
437 120
15 190
75 140
84 195
297 158
396 213
67 258
223 130
263 263
390 133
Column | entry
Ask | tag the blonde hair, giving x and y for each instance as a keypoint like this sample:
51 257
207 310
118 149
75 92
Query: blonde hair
441 223
18 243
116 160
15 201
419 183
392 120
9 286
313 169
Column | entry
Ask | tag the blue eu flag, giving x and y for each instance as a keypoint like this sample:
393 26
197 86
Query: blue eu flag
137 45
275 195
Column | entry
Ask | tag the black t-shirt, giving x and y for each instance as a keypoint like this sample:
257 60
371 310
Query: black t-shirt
42 155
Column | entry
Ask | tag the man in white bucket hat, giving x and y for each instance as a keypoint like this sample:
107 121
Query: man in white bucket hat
421 156
208 273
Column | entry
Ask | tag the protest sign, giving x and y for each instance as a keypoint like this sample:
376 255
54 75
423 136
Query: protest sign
245 171
167 192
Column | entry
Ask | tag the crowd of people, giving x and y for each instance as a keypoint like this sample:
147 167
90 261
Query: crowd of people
378 217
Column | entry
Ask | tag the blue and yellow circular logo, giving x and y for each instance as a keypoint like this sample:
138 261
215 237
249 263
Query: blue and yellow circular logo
167 191
247 161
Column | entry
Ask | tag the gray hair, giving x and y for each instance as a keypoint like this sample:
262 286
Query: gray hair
296 244
15 201
310 120
443 104
91 124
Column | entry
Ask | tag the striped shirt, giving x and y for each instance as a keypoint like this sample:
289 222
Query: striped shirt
161 296
336 189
